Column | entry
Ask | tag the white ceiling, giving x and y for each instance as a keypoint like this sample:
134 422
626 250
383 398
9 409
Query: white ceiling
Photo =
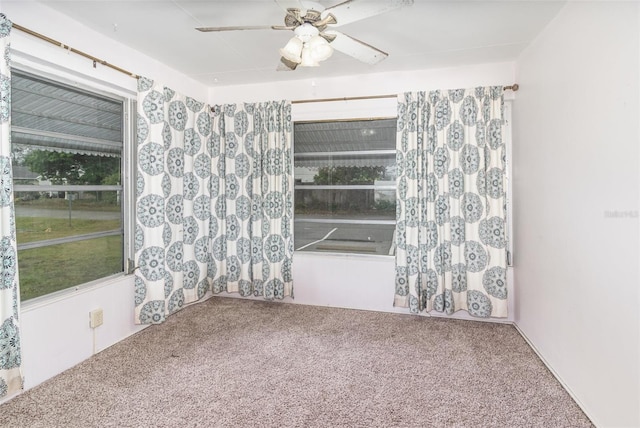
428 34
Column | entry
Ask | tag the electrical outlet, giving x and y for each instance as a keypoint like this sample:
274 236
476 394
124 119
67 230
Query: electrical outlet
95 318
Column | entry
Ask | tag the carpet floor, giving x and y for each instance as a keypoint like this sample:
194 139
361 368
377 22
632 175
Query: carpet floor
239 363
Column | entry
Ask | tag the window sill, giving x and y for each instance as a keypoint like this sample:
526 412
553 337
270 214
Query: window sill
370 257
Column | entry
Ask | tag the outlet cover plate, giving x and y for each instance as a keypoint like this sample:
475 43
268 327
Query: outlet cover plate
95 318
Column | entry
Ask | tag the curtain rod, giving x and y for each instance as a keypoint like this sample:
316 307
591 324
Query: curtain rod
74 50
513 87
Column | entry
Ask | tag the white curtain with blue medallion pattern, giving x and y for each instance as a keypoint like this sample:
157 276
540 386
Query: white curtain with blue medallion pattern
252 191
451 215
10 353
173 202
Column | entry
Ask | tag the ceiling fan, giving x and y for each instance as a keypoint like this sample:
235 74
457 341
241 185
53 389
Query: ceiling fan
314 38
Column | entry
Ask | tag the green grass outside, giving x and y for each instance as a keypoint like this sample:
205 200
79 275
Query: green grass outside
56 267
30 229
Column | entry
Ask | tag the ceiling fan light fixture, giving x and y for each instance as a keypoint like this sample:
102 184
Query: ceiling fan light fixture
308 60
320 49
293 50
305 32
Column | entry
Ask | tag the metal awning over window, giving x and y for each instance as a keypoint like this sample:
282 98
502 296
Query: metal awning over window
47 115
356 143
55 142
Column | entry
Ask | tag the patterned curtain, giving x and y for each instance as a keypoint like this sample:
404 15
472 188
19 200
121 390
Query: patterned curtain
252 189
173 202
10 355
451 240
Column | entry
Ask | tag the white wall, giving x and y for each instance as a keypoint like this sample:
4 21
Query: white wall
346 280
367 85
31 51
575 162
55 333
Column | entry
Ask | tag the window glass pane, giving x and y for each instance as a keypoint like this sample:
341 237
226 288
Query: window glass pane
345 186
56 267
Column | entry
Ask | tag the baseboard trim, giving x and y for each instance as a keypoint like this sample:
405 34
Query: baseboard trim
555 374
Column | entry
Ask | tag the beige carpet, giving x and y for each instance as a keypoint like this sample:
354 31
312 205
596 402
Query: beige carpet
238 363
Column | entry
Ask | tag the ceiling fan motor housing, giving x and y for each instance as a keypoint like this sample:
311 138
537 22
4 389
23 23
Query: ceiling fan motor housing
293 18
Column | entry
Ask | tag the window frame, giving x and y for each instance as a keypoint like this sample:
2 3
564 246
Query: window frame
127 188
386 187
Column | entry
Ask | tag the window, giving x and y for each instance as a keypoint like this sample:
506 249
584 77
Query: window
345 186
67 148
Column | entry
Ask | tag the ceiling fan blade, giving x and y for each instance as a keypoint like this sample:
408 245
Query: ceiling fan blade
286 65
247 27
355 10
355 48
